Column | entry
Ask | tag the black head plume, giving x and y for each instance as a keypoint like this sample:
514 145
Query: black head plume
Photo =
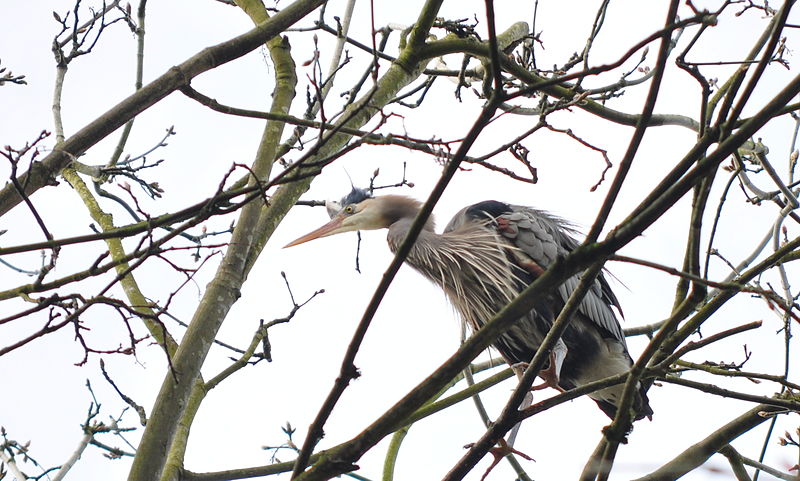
355 196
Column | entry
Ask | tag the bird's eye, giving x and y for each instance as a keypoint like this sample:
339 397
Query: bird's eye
349 209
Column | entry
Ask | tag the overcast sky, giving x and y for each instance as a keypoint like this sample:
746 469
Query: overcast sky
44 399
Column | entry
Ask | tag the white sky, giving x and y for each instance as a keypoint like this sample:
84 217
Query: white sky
44 399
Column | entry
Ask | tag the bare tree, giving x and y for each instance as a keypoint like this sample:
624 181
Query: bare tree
699 99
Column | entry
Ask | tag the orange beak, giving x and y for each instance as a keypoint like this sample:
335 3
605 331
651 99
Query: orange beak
332 227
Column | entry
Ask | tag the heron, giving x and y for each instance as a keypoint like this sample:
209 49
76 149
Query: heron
488 253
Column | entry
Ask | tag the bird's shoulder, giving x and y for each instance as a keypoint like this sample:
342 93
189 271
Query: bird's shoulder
539 234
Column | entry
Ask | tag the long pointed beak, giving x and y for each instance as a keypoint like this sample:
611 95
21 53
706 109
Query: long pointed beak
330 228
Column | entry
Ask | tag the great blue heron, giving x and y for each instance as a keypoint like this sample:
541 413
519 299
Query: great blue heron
487 254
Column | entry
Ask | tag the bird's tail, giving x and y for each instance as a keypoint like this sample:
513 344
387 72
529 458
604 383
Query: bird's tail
641 405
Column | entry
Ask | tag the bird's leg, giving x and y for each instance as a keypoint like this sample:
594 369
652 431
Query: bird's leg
512 435
551 375
506 447
499 452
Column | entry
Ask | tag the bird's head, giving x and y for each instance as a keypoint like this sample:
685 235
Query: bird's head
359 211
355 211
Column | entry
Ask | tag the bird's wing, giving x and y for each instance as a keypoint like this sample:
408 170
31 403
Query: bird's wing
541 239
544 237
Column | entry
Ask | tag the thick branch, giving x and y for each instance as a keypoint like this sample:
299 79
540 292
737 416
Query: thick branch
699 453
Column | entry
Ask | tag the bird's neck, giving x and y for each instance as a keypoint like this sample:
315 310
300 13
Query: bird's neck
399 231
404 210
399 228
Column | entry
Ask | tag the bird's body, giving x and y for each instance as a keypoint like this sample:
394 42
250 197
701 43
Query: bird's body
487 254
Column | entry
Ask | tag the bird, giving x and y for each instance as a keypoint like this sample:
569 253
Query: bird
487 254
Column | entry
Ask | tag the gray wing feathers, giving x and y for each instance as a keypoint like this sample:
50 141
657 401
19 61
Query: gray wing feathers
533 237
593 306
543 238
